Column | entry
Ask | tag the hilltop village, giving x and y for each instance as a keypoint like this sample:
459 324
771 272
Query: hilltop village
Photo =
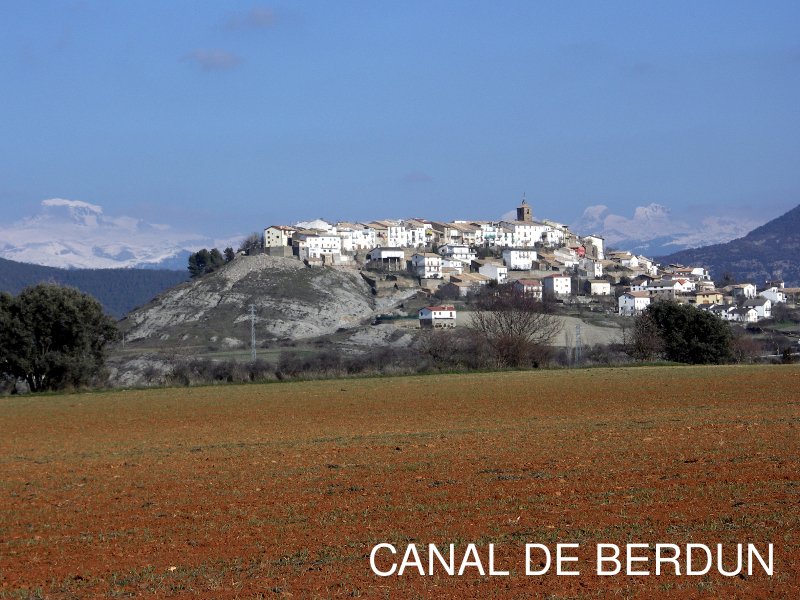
453 260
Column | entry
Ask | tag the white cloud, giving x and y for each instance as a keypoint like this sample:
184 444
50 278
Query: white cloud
214 59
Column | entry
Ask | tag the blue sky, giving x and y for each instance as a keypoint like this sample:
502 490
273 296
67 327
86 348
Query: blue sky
226 117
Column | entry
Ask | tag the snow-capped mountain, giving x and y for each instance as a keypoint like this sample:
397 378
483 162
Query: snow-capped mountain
654 230
73 234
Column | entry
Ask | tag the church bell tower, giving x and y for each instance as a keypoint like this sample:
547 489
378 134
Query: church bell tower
524 211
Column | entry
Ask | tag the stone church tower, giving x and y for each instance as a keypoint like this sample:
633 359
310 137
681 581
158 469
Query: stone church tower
524 211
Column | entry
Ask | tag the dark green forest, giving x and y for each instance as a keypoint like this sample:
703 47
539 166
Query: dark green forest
118 290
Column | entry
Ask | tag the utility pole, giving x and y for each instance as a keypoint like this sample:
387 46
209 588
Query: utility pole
253 332
578 346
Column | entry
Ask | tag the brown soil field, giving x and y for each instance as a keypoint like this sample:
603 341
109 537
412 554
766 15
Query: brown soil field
282 490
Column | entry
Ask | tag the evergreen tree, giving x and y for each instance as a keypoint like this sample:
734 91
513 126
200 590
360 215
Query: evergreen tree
691 335
53 336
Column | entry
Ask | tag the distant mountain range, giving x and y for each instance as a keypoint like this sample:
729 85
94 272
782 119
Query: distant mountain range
73 234
768 252
654 230
118 290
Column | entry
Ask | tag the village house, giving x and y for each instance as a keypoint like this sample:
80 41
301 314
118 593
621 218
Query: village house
519 259
494 270
743 290
355 237
530 287
633 303
427 265
437 316
278 235
458 252
762 306
316 243
384 257
599 244
592 268
558 285
775 294
744 314
723 311
708 297
598 287
665 288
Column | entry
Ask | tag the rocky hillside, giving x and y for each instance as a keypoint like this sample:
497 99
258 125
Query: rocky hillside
771 251
291 301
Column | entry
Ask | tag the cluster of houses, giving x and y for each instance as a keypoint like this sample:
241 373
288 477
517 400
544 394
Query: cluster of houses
743 303
537 257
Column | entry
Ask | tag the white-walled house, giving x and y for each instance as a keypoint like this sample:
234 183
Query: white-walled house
457 251
762 306
321 244
598 287
633 303
776 295
497 272
355 237
427 265
745 314
437 316
278 235
519 259
526 233
559 285
748 290
385 257
529 286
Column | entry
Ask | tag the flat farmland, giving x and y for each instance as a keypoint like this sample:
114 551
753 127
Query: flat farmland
282 490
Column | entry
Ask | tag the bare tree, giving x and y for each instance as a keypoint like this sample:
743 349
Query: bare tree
251 241
517 327
643 341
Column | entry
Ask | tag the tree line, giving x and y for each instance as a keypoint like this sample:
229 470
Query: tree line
206 261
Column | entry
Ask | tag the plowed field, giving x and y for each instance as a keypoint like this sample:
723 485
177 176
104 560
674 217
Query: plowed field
283 490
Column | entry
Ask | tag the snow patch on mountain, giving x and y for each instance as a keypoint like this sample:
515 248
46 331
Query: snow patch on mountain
656 230
74 234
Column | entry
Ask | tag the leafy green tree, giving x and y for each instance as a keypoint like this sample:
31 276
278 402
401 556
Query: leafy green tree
53 337
690 335
229 254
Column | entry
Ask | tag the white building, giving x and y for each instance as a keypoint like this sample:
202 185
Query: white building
526 233
748 290
497 272
278 235
519 259
385 257
762 306
315 224
598 287
458 251
356 237
437 316
559 285
776 295
319 244
633 303
427 265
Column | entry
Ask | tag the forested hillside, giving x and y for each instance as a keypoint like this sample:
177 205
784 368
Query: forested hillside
118 290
